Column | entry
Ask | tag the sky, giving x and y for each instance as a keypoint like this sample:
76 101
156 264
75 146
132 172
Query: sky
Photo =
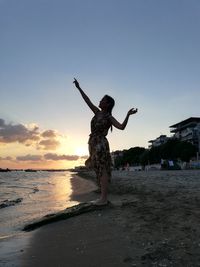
145 54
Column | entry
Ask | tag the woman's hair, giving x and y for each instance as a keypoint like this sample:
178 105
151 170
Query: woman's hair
111 103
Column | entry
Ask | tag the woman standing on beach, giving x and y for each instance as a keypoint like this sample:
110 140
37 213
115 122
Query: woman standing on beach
100 159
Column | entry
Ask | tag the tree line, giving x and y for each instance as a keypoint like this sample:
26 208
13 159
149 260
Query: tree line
173 149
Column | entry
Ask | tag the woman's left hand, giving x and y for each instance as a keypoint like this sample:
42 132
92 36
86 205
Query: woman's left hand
76 83
132 111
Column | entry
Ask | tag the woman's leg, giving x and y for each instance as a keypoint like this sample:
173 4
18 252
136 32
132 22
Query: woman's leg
104 186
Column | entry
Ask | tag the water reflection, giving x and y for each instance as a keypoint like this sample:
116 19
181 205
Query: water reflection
62 190
54 195
82 189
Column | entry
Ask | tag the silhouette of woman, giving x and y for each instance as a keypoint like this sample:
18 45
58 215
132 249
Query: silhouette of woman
100 159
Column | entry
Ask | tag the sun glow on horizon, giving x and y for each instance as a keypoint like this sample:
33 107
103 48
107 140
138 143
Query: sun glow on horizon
81 151
19 156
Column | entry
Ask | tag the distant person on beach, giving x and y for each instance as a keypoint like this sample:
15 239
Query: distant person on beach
100 159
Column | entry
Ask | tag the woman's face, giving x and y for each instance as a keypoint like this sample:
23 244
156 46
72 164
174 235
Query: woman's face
103 104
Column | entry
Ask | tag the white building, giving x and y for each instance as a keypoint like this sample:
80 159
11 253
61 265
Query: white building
162 139
188 130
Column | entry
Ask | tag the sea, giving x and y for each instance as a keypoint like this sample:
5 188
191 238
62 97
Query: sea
24 198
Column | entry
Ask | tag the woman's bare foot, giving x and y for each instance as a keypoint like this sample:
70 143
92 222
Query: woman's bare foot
100 202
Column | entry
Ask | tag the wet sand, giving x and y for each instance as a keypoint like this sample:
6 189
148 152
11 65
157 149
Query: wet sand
153 220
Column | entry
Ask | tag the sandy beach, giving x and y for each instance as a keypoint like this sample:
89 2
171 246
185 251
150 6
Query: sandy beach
153 220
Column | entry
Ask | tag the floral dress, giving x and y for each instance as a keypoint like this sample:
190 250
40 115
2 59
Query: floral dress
99 150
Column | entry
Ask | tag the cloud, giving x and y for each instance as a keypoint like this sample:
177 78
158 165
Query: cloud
53 156
42 158
2 122
48 156
84 157
29 158
28 135
6 158
10 133
49 133
48 144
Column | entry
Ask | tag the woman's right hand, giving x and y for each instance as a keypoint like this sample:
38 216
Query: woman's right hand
132 111
76 83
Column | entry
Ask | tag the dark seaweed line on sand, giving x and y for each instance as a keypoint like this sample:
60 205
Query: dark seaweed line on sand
64 214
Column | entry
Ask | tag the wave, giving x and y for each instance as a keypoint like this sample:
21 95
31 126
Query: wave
7 203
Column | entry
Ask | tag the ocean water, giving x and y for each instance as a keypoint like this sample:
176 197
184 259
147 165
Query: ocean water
25 197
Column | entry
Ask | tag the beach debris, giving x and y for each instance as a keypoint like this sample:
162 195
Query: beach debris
35 189
7 203
64 214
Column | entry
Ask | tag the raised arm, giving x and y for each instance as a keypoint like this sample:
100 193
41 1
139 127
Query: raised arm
85 97
122 125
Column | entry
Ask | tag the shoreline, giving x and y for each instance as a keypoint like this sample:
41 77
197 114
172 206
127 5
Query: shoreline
14 245
155 225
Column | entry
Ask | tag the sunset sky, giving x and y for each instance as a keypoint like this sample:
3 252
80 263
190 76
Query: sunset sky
144 54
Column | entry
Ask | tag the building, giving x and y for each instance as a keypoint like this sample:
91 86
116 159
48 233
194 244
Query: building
162 139
188 130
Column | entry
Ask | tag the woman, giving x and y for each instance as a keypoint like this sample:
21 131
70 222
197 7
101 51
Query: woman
100 159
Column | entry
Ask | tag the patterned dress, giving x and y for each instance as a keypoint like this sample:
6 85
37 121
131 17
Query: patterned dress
99 150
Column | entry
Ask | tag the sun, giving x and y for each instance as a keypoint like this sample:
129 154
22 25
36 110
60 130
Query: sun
81 151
